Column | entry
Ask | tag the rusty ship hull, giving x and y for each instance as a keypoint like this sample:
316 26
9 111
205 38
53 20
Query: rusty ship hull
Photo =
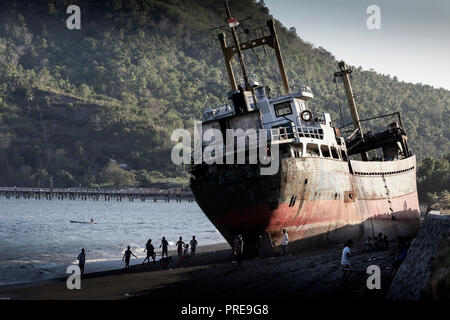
316 200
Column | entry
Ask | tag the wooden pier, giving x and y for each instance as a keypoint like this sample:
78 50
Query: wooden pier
96 194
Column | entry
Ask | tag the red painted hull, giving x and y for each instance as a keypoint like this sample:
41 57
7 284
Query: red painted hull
315 201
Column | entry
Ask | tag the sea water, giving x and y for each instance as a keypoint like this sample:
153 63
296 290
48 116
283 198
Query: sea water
38 241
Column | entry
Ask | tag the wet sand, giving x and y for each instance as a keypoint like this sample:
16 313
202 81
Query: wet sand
210 276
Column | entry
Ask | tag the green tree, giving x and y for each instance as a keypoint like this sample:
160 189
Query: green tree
113 175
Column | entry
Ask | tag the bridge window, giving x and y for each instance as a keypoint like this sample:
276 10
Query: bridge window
325 151
334 153
282 109
312 150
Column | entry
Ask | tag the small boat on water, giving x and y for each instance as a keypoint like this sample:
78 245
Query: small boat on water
86 222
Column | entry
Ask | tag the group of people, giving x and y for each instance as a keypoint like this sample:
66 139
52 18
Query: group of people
183 248
378 243
238 246
150 249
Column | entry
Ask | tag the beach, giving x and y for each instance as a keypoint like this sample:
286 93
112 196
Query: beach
38 241
211 276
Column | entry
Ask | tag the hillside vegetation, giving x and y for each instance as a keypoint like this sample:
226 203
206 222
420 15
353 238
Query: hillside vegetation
71 100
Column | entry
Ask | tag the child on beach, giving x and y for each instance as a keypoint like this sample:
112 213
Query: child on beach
180 245
127 255
193 246
150 251
185 256
164 244
81 260
345 262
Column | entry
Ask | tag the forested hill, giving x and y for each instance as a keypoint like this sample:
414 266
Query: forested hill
71 100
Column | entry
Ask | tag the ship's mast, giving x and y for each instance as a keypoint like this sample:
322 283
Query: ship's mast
270 40
238 48
344 73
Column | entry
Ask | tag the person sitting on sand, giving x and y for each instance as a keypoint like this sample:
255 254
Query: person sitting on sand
164 244
345 262
150 251
127 255
379 242
368 245
193 246
180 244
81 260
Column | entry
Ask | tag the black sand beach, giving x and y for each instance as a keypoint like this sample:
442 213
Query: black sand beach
210 276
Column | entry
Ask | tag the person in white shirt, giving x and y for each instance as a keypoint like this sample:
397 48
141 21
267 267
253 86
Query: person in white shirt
345 261
284 242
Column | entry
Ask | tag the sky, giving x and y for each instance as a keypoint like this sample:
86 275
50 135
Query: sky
413 42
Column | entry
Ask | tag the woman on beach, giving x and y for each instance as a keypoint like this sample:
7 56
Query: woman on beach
127 255
164 244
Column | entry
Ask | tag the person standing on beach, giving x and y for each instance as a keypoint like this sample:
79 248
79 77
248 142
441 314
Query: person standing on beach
193 246
127 255
150 251
180 245
284 242
81 260
345 261
164 244
238 249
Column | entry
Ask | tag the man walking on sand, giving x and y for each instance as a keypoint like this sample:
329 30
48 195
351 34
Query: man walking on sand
193 246
127 255
284 242
345 262
164 244
81 260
